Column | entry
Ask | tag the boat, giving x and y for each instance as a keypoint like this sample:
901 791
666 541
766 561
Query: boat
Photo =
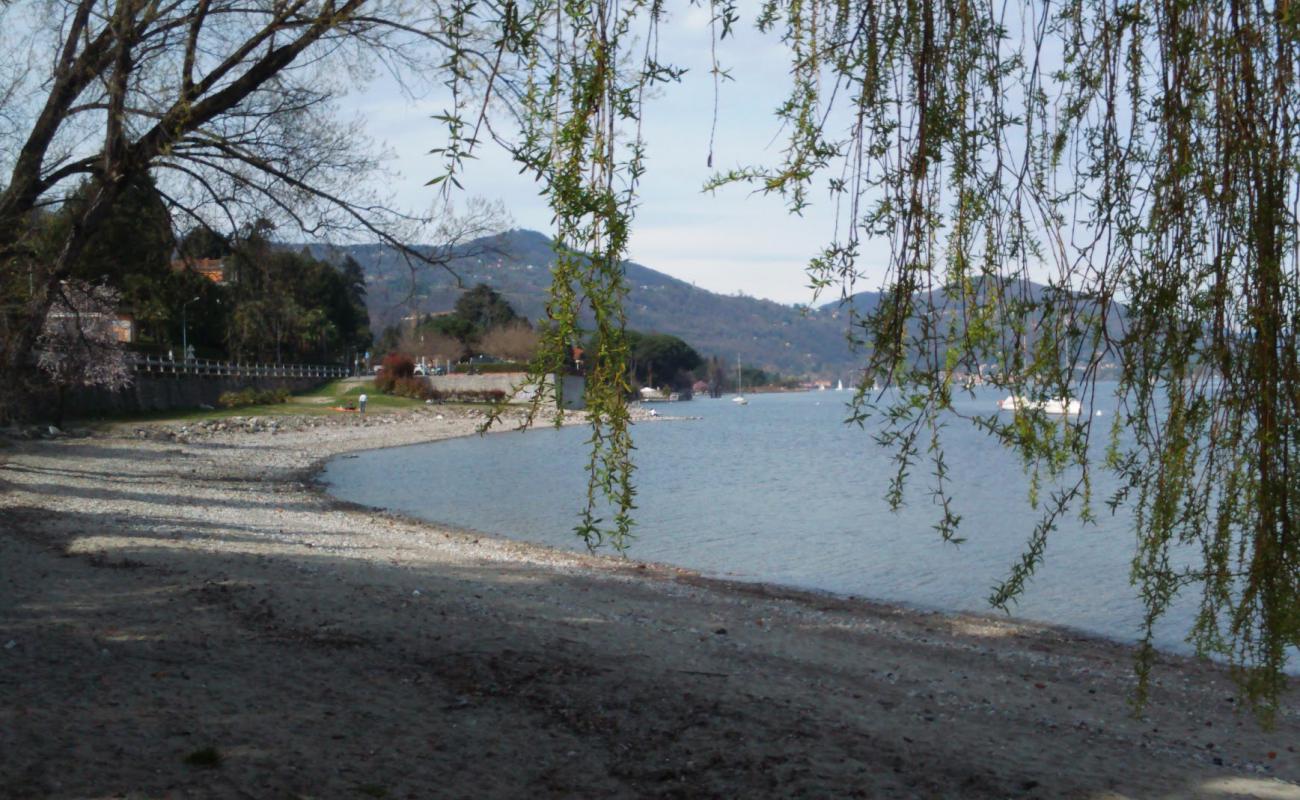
649 395
839 387
739 399
1052 405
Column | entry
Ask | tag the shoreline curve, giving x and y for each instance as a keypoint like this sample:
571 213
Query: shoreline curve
175 591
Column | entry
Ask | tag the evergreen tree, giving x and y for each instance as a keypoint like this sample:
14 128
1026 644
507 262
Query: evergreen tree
483 308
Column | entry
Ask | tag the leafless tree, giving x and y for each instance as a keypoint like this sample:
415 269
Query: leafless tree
514 341
229 104
431 345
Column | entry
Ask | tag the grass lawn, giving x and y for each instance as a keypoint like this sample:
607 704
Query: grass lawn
322 401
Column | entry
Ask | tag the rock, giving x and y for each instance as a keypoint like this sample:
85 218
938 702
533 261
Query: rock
53 431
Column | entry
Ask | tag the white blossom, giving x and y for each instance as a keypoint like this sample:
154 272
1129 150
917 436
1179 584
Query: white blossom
79 345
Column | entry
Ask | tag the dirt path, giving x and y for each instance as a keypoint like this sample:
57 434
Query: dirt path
198 599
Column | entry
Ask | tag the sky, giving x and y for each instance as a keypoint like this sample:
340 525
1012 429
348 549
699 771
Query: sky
728 242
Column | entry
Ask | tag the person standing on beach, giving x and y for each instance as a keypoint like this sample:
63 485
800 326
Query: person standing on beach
361 403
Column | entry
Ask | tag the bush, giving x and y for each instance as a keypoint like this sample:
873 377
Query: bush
489 367
475 396
396 366
399 365
419 389
414 388
248 396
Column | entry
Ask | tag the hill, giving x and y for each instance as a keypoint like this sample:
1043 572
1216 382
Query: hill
791 340
763 333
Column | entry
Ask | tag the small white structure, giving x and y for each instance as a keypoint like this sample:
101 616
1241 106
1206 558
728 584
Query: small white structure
1054 405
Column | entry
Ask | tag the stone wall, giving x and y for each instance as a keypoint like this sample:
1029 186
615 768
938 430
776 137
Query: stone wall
166 393
509 382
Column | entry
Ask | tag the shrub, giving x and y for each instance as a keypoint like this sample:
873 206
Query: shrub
248 396
490 367
396 366
414 388
420 389
476 396
235 399
399 365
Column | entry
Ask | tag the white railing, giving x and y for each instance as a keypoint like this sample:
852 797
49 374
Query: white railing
161 365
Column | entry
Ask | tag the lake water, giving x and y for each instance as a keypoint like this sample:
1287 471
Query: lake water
782 491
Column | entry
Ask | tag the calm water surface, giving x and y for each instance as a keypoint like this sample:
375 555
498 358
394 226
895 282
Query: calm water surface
782 491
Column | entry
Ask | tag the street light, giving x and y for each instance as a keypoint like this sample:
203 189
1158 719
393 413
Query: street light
185 342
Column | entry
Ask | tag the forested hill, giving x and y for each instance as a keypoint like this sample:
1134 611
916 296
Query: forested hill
762 333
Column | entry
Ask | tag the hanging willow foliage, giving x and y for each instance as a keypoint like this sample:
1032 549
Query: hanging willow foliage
1136 161
1139 159
582 73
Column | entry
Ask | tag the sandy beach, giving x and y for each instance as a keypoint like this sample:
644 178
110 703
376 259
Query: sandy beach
183 613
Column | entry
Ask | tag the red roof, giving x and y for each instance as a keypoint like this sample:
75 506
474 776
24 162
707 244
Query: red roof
210 268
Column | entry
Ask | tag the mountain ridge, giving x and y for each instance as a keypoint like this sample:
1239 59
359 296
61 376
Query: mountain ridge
792 340
788 339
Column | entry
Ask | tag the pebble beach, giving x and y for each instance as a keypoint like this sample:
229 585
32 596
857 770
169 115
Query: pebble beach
184 613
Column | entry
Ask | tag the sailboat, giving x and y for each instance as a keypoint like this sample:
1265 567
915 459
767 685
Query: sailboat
839 387
740 389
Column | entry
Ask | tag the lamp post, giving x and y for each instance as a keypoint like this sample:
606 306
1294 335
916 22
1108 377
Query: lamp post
185 342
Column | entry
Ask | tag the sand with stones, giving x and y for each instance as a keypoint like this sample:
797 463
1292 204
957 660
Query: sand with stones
184 614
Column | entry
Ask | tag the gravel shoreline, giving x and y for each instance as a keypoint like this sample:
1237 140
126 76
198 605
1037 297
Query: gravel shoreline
185 613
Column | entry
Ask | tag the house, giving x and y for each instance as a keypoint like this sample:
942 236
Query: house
214 269
121 325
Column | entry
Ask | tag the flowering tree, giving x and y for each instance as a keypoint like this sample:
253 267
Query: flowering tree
79 345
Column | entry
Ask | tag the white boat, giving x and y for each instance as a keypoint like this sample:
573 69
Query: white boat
649 395
1053 405
739 399
839 387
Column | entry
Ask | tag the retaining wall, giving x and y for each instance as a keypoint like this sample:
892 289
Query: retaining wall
166 393
511 383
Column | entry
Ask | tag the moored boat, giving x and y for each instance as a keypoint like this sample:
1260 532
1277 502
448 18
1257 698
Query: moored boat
1052 405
